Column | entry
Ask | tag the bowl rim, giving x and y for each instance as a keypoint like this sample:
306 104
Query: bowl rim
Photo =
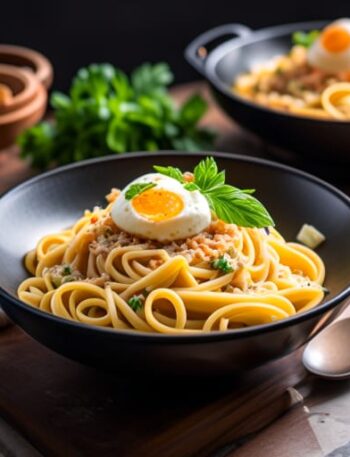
192 338
258 36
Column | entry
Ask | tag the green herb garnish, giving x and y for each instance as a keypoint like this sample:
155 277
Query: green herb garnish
136 302
67 270
107 112
223 264
172 172
136 189
68 278
229 203
305 39
279 71
56 281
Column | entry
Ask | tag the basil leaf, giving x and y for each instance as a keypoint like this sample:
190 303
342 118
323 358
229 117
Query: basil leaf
137 189
191 186
229 203
206 174
172 172
236 207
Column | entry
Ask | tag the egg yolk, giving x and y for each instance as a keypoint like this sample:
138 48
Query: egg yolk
335 39
158 205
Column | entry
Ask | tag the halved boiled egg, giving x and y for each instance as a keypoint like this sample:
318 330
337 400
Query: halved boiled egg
331 51
164 212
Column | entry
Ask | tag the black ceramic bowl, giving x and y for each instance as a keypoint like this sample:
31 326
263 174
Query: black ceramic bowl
56 199
318 138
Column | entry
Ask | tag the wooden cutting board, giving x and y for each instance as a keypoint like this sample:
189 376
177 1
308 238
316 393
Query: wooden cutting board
64 408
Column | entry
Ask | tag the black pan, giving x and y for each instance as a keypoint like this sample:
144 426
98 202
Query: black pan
320 139
56 199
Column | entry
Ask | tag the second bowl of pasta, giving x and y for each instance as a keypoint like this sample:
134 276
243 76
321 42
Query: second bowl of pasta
290 84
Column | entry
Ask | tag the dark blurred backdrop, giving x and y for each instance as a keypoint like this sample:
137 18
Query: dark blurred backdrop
73 33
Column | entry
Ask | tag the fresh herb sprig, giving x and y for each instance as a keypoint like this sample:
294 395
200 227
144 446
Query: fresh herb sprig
305 39
229 203
107 112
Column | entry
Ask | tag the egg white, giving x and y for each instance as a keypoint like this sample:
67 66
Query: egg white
332 62
193 219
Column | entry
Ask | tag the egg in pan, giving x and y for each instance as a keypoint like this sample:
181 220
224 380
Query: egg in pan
331 50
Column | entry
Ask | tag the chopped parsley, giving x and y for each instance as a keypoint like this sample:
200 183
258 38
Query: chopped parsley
56 281
222 264
67 270
136 302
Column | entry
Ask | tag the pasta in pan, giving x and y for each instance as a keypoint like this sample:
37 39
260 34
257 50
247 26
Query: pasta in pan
313 79
224 277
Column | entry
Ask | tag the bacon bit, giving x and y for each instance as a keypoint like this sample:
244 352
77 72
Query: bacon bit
217 240
188 177
155 263
206 249
108 223
113 195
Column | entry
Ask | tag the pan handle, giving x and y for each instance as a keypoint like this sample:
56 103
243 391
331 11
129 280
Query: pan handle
196 52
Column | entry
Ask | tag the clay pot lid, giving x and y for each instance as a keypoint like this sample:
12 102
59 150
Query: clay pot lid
21 57
17 88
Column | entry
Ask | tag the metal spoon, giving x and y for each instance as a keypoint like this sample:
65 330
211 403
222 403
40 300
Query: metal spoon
328 355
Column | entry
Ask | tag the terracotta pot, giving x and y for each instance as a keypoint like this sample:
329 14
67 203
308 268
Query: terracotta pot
22 85
24 103
29 59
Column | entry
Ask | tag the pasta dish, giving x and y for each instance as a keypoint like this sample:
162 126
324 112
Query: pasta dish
174 253
313 79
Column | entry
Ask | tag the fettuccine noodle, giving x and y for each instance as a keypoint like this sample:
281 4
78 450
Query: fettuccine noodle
90 272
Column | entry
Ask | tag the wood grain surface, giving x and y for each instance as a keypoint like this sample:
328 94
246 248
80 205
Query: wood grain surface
64 408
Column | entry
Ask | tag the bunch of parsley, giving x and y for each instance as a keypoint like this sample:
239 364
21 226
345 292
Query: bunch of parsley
106 112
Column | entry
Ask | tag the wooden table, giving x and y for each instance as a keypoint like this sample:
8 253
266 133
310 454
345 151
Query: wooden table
52 406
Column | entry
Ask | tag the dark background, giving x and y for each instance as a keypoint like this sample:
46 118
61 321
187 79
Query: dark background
128 32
